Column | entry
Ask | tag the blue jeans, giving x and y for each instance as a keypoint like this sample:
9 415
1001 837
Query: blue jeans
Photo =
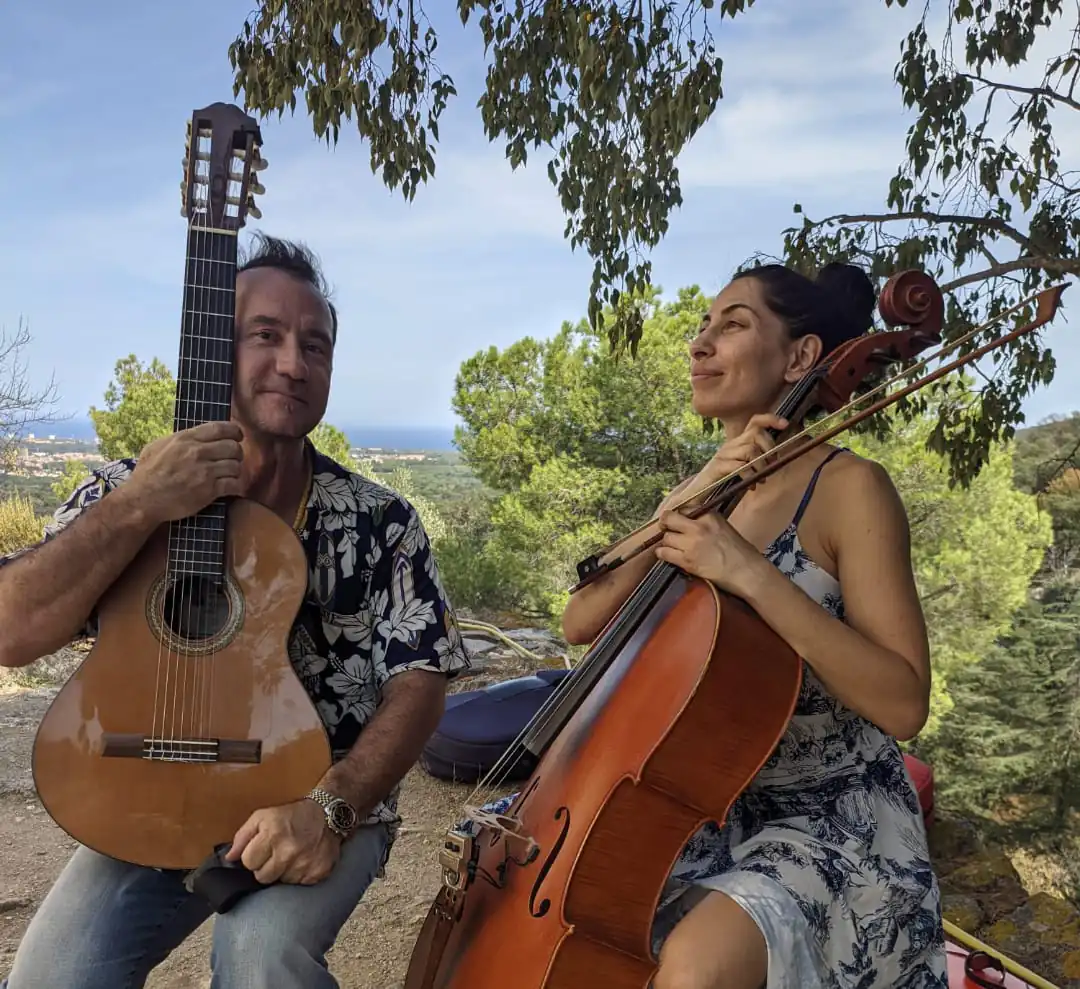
106 924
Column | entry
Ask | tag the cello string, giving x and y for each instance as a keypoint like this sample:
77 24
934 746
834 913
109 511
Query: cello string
496 777
547 710
791 441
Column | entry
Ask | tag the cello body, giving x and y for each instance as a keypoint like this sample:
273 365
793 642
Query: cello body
676 707
694 705
93 760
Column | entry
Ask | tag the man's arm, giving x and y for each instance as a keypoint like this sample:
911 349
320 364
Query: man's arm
421 649
47 593
391 742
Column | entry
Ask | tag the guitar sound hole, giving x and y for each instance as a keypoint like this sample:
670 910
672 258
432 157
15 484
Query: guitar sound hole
196 607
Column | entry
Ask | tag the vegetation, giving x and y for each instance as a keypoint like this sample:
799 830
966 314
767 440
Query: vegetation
20 404
608 92
20 525
612 89
563 449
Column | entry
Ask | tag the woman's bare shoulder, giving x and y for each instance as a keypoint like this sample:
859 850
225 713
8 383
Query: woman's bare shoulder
861 492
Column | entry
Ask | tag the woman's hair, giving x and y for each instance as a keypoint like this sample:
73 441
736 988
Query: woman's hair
837 306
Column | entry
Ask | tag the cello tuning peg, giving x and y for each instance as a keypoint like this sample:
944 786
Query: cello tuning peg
257 188
254 210
257 163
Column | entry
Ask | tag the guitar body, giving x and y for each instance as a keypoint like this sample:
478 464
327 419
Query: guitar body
165 740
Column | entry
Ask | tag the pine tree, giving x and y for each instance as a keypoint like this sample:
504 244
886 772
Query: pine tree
1015 728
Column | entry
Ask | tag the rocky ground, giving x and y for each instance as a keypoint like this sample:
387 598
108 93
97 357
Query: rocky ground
1005 900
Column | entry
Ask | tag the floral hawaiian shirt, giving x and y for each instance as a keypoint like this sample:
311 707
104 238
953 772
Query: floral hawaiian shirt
375 605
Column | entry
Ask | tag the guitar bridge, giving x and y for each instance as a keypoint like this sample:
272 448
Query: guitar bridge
156 749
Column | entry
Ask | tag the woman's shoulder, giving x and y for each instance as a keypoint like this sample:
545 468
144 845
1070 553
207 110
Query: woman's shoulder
860 492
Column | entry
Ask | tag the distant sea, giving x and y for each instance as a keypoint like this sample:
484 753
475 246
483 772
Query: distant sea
386 437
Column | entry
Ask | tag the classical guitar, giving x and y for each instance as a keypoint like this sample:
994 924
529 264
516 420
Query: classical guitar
187 715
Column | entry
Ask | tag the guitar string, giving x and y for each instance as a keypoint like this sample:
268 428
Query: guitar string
161 692
222 356
185 547
202 541
211 546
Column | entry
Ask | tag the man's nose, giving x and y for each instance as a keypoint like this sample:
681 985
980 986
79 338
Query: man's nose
291 362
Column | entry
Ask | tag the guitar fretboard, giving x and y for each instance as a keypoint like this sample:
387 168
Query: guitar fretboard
204 384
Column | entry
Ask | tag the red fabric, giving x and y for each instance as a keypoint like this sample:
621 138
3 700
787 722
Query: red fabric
923 778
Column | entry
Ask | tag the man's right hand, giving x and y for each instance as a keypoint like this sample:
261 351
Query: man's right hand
180 474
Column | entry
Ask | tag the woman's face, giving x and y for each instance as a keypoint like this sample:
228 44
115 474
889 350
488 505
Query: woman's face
742 359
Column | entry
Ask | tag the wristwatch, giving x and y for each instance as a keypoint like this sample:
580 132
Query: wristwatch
341 817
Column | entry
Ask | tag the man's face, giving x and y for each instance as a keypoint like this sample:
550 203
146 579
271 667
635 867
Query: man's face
284 354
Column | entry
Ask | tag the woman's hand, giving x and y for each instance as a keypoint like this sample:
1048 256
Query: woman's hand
708 547
734 455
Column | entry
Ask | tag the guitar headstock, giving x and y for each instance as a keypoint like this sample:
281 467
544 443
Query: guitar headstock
221 157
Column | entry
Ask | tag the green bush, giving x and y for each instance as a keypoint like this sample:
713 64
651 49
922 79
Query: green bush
20 526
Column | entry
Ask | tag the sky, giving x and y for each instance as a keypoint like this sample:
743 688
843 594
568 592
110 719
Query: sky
93 104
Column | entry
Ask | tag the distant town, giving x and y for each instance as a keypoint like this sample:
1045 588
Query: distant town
44 456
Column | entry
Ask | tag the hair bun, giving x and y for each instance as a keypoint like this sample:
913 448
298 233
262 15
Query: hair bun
850 288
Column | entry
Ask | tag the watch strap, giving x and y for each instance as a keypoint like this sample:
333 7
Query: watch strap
329 802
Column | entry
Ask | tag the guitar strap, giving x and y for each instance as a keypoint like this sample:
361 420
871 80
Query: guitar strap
222 884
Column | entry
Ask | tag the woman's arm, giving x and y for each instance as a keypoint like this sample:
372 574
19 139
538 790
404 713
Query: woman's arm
877 662
591 608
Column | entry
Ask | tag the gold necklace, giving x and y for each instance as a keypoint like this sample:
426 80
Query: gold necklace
302 509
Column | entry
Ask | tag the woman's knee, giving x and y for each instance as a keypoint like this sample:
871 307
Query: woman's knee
715 946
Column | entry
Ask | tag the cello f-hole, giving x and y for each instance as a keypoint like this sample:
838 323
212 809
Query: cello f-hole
538 910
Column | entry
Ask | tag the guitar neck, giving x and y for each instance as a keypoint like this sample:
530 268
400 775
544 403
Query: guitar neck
204 383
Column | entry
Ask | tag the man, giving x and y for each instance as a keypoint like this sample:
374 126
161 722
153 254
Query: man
375 644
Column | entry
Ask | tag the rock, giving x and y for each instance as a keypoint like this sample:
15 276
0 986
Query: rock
1052 921
14 903
963 910
1070 965
477 646
953 841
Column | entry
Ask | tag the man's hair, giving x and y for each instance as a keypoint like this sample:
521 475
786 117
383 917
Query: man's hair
294 259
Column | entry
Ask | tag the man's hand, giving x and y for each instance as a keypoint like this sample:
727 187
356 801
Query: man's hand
289 844
180 474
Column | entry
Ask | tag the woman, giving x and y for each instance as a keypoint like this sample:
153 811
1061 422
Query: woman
820 876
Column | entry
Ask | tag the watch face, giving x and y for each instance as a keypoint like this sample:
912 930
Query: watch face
341 816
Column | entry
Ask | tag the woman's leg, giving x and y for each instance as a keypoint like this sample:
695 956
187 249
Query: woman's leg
715 946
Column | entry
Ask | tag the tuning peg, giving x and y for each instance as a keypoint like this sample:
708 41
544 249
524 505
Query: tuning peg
254 210
257 163
257 188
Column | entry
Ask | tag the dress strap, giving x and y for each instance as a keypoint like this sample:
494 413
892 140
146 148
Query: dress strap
813 483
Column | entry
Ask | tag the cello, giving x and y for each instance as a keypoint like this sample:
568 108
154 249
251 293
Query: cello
187 715
561 890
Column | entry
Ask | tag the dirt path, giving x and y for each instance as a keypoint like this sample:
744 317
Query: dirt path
374 947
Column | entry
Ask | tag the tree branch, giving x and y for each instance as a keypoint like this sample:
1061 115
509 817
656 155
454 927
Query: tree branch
1046 91
1063 266
988 222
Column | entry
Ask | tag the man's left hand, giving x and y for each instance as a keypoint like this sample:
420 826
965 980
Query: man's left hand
289 844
